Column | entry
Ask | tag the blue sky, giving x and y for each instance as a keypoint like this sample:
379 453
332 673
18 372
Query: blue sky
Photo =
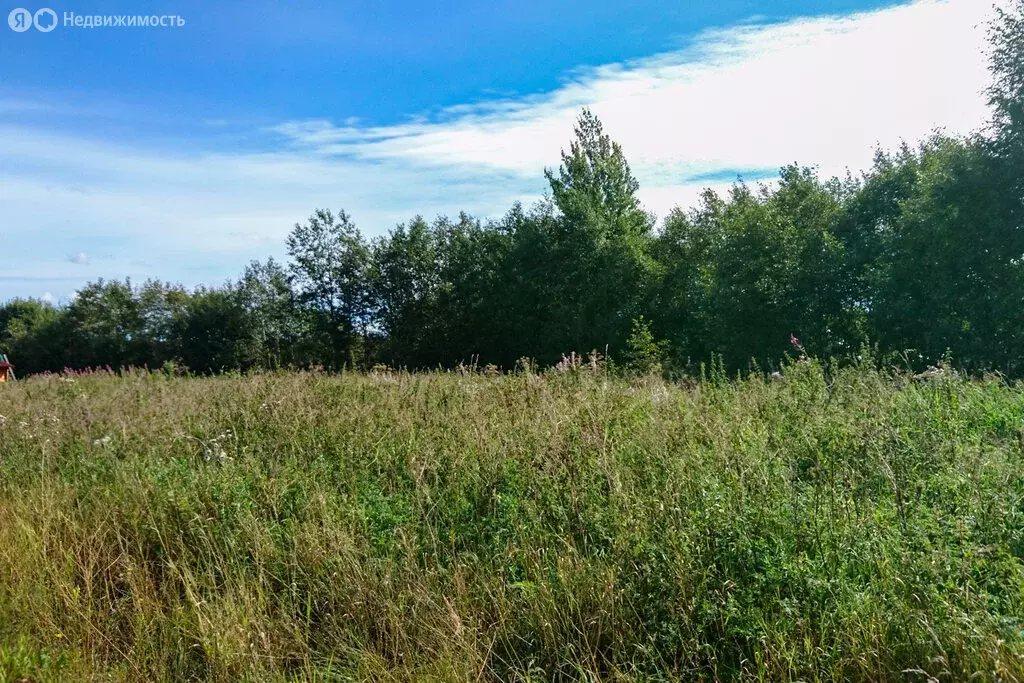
182 152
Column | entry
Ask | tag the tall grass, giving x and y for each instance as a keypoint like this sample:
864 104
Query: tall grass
389 526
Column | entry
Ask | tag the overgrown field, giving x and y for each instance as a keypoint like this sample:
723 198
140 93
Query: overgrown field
853 526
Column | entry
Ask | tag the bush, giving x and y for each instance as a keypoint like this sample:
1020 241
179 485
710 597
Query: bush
644 355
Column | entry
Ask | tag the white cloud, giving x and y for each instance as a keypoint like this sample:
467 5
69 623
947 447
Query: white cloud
820 91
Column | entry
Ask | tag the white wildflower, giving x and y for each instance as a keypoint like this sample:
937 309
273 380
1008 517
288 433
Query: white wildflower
212 449
933 373
216 453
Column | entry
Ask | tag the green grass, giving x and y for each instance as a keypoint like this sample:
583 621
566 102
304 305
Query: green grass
566 526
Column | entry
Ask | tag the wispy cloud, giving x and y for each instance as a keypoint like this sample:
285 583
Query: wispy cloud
822 91
737 101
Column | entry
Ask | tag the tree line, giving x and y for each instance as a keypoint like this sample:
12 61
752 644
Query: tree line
920 256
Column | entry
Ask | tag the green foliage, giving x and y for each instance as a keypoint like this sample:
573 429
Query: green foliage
947 271
643 353
848 525
1006 94
34 335
330 272
917 256
594 187
21 662
598 245
214 332
279 338
407 286
739 275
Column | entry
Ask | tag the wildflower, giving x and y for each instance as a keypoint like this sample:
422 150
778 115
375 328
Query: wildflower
216 453
932 374
101 442
798 346
212 450
571 362
456 621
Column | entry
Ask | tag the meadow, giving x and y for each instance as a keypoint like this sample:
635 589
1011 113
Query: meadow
842 525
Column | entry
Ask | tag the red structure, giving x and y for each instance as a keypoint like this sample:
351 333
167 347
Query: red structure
6 368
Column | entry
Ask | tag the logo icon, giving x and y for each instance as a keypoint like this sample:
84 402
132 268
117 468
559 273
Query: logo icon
45 20
20 20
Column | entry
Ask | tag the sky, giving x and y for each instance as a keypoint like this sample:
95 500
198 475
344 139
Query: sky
182 152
